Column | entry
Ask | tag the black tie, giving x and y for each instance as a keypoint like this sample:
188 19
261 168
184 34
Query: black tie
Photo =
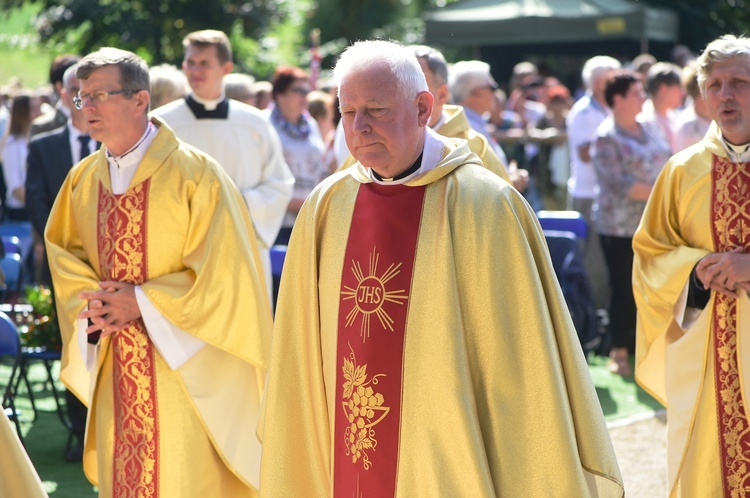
84 139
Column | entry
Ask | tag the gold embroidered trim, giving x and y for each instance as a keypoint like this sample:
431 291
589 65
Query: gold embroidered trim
731 227
122 251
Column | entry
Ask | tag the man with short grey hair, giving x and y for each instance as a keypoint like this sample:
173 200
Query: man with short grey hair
161 303
691 278
472 87
450 120
403 357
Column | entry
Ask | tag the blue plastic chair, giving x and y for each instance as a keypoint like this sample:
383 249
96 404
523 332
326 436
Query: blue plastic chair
567 260
278 254
11 244
567 221
10 347
13 271
24 232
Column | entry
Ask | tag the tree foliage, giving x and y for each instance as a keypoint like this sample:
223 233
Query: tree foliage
342 22
702 21
153 29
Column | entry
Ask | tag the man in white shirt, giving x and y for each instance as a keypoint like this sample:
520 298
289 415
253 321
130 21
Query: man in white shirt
581 123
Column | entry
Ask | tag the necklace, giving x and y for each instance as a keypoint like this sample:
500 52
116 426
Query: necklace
298 131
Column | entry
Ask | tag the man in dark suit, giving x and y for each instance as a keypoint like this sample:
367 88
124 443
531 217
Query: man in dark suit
57 117
51 155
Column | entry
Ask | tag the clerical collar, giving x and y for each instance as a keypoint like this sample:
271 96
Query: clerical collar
209 104
134 155
432 154
219 111
411 169
737 153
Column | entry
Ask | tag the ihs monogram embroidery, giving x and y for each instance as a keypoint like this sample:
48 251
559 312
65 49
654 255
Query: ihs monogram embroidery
371 294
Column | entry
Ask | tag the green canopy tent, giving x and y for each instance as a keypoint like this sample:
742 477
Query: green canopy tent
518 22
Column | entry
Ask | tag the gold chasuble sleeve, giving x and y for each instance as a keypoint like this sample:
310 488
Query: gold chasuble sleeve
674 234
191 239
493 396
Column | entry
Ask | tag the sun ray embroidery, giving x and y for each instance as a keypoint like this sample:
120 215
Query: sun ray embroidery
363 408
371 294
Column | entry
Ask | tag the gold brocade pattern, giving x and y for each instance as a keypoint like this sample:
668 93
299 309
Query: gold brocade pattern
122 250
371 294
731 222
363 408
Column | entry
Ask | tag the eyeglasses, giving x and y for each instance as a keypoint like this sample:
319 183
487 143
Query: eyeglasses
300 91
98 97
489 86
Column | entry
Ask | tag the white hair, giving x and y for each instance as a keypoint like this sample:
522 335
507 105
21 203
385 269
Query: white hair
466 76
69 75
721 49
597 67
401 61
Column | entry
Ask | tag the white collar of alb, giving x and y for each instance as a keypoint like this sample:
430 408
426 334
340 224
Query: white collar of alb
737 153
210 104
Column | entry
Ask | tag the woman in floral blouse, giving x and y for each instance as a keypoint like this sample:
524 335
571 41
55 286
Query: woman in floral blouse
628 156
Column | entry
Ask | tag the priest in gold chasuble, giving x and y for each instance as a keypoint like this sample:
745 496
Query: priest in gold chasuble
691 278
162 304
422 347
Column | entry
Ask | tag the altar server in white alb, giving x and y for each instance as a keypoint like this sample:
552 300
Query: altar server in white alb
237 135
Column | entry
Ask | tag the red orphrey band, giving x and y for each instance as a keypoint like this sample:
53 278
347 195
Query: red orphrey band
374 302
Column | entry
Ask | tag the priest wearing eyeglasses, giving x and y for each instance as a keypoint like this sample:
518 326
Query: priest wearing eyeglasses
163 308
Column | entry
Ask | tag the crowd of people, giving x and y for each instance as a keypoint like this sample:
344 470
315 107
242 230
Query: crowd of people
405 188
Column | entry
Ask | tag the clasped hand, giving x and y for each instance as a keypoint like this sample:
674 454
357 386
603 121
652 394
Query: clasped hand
725 272
111 308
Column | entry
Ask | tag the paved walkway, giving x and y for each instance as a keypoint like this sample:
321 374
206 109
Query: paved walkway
641 449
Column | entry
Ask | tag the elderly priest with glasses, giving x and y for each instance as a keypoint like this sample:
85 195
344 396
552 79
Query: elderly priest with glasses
162 304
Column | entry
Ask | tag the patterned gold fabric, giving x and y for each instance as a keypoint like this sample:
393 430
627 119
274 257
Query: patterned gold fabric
202 275
122 255
730 208
496 396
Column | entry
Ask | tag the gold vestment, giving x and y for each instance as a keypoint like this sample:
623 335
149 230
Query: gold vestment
675 352
204 277
496 396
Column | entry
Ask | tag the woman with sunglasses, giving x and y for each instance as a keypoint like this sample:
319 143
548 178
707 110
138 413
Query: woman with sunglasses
301 141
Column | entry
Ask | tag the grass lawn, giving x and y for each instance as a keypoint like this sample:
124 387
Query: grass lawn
45 438
20 55
620 397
